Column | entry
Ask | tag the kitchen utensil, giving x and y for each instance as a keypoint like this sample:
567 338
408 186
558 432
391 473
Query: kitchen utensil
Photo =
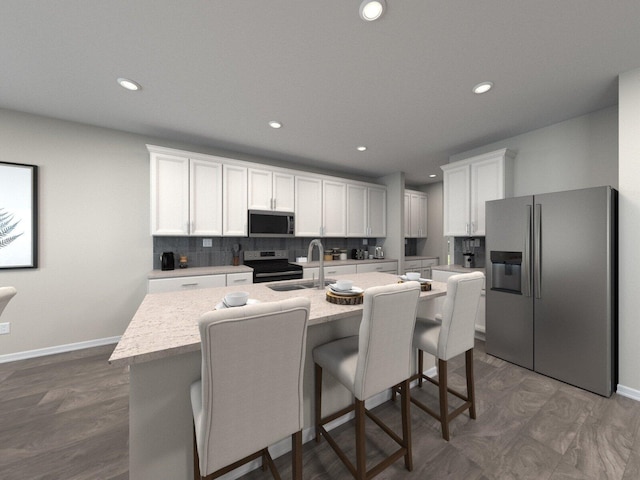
167 261
236 299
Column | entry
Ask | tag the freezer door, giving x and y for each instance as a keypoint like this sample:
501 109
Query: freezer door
509 301
573 273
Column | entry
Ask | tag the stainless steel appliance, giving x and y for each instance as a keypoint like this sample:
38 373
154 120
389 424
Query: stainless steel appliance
378 253
263 223
271 265
551 301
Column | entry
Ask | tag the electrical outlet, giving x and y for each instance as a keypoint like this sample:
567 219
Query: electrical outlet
477 242
207 242
365 241
5 328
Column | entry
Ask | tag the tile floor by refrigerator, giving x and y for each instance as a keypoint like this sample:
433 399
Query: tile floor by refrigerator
65 417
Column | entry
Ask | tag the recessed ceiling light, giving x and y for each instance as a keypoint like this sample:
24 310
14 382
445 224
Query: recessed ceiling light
371 10
129 84
274 124
433 175
483 87
361 148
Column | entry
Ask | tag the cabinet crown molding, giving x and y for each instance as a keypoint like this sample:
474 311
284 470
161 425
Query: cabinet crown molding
503 152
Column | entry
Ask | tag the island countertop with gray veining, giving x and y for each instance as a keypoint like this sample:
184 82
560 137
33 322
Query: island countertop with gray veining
166 324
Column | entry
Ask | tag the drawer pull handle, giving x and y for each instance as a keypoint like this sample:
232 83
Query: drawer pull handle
238 280
190 284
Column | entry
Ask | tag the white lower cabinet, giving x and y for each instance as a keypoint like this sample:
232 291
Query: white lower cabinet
244 278
339 270
382 267
443 276
175 284
157 285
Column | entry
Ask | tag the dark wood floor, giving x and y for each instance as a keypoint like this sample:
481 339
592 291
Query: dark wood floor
65 417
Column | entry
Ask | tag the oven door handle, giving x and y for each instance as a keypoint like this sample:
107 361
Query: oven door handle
277 274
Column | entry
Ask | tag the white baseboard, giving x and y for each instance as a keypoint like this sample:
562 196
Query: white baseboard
631 393
70 347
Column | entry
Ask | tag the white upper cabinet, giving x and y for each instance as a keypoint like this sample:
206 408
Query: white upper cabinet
377 212
468 184
186 196
415 214
169 195
205 198
366 211
270 190
308 202
234 217
334 208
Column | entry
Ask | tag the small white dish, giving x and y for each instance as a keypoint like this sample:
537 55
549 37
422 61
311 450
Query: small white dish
346 293
236 299
421 280
343 285
415 276
222 305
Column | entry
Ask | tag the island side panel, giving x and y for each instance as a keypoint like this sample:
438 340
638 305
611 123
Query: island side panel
160 418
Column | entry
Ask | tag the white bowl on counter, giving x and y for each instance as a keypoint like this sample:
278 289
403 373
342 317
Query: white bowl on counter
236 299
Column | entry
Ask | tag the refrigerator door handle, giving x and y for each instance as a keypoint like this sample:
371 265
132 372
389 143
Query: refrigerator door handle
527 254
537 273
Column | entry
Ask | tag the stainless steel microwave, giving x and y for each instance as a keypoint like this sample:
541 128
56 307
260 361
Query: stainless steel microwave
265 223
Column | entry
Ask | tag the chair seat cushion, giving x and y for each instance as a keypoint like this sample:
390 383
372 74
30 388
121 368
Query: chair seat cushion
339 358
425 335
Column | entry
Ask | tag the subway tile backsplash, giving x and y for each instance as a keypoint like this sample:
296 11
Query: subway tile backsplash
221 251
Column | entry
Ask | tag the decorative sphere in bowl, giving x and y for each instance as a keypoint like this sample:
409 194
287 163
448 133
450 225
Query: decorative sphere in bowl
236 299
415 276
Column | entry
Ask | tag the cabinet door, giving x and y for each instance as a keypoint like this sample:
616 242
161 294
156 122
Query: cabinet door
244 278
339 270
377 202
334 213
260 195
234 213
418 215
487 183
169 195
283 192
456 201
174 284
308 206
407 215
205 198
357 211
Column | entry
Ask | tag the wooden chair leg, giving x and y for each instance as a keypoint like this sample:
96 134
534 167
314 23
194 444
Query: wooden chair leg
420 366
406 424
444 403
318 400
196 458
471 390
361 456
296 455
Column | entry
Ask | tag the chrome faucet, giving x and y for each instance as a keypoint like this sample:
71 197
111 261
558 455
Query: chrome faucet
317 243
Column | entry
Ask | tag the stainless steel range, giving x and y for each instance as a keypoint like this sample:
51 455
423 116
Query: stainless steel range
271 265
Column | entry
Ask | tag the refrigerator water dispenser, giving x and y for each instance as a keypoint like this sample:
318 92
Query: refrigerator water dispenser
506 271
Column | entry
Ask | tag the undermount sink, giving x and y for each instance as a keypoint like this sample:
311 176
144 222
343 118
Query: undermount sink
287 287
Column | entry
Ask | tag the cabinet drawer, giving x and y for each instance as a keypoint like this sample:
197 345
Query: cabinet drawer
429 263
385 267
413 266
158 285
339 270
244 278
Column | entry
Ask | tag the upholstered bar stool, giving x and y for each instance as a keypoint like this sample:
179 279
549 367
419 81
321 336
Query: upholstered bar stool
6 294
369 363
449 337
250 393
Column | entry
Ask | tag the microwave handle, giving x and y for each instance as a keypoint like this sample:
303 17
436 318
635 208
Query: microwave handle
290 223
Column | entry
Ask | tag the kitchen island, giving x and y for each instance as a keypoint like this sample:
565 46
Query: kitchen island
161 346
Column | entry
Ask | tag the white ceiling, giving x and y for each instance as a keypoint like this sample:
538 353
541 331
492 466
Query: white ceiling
214 72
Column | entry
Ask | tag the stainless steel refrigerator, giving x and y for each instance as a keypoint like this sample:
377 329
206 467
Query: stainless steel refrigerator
551 299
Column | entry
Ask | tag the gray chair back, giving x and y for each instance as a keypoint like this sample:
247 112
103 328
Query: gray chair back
385 338
6 294
252 373
459 314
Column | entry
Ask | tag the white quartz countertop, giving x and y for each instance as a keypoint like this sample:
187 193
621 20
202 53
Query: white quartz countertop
166 324
457 268
198 271
350 261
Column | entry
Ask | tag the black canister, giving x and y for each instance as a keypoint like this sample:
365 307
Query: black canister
168 261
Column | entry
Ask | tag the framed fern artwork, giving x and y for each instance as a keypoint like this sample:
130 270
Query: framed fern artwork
18 215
